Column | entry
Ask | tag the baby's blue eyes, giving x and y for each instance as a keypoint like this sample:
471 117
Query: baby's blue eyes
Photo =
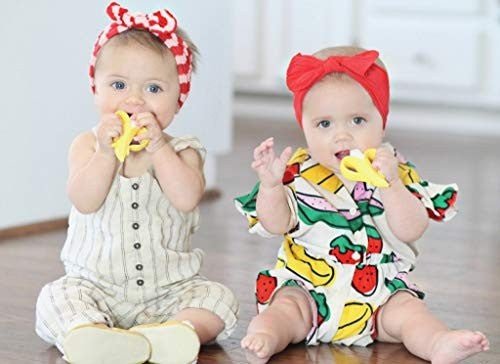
154 88
358 120
324 123
118 85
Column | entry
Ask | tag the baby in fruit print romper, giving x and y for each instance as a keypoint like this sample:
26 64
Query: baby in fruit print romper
342 270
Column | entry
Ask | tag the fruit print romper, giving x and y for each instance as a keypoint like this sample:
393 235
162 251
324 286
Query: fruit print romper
341 250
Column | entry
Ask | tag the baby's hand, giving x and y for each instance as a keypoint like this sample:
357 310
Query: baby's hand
270 168
109 127
387 163
154 132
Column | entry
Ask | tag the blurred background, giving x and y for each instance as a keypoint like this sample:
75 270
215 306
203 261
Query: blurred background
442 57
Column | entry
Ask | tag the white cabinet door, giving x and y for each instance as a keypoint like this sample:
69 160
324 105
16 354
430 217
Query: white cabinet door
282 28
246 42
430 7
428 55
436 50
439 51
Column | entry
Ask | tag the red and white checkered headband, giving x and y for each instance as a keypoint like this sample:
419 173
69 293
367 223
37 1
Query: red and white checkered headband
162 24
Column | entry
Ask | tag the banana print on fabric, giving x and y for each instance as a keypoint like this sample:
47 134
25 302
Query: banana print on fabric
341 251
354 319
315 271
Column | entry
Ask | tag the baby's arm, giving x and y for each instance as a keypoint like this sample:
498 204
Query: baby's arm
92 165
272 206
406 215
91 172
180 176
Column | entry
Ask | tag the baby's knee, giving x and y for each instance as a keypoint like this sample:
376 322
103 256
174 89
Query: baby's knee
44 301
295 302
392 316
400 307
45 327
403 300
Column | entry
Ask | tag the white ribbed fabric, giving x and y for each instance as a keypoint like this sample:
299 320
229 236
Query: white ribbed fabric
103 246
131 263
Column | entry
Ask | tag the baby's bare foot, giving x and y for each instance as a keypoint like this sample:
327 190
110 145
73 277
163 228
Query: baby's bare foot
454 346
259 347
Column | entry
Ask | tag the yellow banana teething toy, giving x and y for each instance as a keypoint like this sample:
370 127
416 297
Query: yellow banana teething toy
122 145
358 167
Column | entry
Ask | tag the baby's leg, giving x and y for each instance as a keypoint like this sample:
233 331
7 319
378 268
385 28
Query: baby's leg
288 319
405 318
209 306
70 314
206 324
65 304
207 310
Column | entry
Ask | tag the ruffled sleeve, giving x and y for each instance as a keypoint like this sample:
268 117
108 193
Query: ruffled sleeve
246 205
189 141
439 200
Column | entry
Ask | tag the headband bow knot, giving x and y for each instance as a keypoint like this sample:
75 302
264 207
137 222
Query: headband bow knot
304 71
161 24
161 21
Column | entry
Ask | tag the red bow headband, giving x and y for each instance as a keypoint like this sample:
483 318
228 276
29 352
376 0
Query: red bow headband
304 71
162 24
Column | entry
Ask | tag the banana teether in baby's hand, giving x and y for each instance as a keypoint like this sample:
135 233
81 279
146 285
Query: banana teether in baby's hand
123 144
358 167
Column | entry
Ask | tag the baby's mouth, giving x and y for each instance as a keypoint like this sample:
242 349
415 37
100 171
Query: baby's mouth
133 141
341 154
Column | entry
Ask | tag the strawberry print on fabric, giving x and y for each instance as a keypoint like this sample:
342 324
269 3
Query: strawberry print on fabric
341 251
265 287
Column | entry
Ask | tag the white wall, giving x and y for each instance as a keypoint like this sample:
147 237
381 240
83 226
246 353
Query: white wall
45 98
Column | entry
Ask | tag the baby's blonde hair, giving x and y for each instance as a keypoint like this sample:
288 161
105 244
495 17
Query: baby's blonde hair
148 40
342 51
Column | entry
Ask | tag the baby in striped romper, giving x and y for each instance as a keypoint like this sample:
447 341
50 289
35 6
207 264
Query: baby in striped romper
132 291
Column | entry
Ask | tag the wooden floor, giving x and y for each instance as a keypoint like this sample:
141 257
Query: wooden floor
459 265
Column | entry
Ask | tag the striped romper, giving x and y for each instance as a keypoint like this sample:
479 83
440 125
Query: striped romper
131 263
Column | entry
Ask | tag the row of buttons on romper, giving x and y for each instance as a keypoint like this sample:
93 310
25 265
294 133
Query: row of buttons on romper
137 245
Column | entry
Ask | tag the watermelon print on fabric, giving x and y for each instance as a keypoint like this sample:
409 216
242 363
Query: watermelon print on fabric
341 249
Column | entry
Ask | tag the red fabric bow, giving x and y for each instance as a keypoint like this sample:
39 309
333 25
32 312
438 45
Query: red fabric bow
304 71
160 23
